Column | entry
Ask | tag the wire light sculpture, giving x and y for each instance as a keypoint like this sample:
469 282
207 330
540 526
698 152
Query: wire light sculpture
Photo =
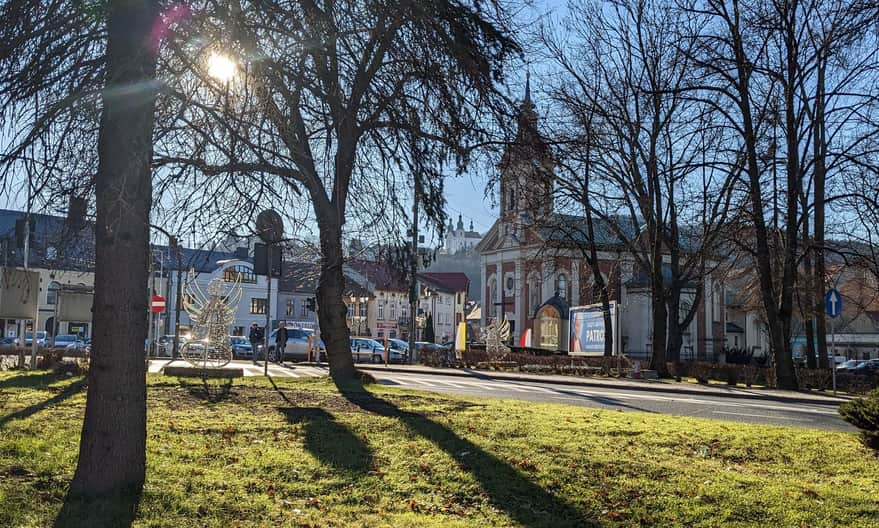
211 314
497 334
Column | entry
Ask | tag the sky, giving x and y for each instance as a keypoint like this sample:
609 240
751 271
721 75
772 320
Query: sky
466 194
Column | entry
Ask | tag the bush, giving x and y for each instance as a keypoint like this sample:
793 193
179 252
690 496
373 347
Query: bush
863 413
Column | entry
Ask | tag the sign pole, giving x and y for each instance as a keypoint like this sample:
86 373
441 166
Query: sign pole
833 351
268 310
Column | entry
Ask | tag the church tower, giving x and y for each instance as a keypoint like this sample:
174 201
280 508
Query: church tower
526 170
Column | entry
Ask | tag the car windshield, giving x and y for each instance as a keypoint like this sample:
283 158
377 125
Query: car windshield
65 338
399 343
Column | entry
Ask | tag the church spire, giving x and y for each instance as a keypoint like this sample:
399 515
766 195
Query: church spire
527 102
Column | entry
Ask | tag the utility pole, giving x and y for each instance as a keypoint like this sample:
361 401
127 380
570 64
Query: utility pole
178 297
413 270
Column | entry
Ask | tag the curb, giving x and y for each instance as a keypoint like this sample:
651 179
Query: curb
647 387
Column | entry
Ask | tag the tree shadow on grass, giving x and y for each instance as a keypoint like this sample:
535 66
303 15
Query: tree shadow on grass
208 390
29 380
331 442
523 500
30 410
113 511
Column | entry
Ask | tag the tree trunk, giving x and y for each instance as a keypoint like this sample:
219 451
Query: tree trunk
807 306
660 337
331 308
112 450
675 335
820 150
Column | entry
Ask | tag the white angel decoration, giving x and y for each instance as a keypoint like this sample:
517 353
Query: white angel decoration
211 315
496 334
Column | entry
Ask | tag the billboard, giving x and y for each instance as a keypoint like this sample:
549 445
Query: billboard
75 306
19 291
587 330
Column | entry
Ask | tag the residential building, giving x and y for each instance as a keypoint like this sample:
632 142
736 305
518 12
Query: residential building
380 299
443 296
298 291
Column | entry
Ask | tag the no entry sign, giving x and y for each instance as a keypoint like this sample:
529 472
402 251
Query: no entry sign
157 304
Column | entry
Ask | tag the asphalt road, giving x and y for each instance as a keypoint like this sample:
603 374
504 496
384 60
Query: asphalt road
760 409
753 407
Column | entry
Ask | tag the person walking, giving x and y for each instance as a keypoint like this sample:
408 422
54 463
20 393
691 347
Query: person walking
280 341
256 336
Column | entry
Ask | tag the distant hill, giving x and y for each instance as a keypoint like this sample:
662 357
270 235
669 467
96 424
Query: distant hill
466 262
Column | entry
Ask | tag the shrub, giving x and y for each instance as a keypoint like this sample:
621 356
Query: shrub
863 413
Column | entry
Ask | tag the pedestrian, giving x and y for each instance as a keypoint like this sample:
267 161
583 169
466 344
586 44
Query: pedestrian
256 336
280 341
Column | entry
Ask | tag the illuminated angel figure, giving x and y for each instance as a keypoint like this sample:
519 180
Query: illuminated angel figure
496 334
211 315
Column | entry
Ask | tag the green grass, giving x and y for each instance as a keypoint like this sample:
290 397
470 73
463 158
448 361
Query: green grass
302 454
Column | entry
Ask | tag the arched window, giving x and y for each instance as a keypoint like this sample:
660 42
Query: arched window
562 285
52 293
534 292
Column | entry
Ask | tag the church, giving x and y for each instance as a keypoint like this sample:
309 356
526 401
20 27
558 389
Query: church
533 274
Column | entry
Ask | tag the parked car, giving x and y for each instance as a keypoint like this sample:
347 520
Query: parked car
241 347
867 368
166 345
7 342
297 345
400 346
850 364
29 338
67 342
366 349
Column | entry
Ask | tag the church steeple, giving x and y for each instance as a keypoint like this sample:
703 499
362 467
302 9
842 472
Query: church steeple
526 168
460 223
527 102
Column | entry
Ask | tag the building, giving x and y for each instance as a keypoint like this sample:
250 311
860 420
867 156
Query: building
62 252
298 294
443 296
458 240
533 273
200 267
378 299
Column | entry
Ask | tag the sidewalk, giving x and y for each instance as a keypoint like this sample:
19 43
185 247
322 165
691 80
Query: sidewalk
630 384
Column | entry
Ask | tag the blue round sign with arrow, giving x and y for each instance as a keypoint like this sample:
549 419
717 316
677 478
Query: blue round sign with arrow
833 303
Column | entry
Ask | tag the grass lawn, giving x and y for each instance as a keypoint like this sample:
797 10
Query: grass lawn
302 454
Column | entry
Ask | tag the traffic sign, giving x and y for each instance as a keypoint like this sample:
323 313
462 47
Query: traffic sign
157 304
833 303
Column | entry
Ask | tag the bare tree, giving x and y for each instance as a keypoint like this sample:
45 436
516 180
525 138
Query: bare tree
640 151
341 102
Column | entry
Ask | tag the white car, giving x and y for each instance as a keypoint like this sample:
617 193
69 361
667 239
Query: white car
365 349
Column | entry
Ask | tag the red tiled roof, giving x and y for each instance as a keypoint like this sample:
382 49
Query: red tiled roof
450 281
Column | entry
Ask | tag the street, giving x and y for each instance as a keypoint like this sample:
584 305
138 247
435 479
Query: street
819 412
744 406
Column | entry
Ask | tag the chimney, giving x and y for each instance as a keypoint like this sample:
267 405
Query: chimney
76 210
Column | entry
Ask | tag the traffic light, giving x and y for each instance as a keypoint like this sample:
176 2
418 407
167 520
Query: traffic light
311 304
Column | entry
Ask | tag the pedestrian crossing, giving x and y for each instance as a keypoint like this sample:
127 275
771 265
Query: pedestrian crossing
288 370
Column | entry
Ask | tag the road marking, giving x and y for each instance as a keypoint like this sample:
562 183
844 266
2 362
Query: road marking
498 385
763 416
